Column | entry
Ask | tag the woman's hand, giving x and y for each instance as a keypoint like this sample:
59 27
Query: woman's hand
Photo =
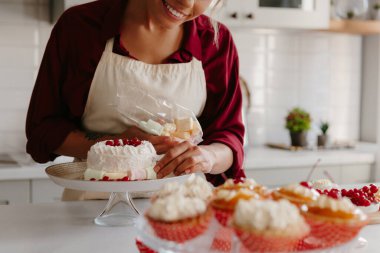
186 158
162 144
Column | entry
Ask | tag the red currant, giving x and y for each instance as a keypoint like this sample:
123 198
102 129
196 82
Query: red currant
109 143
305 184
374 188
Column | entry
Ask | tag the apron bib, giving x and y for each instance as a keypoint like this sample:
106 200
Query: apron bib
182 83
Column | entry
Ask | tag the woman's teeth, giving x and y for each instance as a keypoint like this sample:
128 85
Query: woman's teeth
173 11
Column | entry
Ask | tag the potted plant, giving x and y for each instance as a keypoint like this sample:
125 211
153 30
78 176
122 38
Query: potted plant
322 138
298 123
376 11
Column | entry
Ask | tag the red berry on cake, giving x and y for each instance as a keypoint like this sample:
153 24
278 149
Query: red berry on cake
109 143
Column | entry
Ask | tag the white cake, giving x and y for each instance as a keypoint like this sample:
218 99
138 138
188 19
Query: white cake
121 160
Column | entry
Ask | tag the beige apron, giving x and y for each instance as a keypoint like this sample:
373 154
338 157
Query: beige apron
182 83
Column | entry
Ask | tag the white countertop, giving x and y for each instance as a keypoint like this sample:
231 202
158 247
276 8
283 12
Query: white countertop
264 157
28 171
255 158
65 227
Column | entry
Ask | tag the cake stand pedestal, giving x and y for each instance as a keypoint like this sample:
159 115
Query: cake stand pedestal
119 211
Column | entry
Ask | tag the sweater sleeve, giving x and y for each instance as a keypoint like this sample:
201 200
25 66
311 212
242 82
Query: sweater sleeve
222 116
47 123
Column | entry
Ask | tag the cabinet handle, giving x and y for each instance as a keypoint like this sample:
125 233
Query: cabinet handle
250 16
234 15
4 202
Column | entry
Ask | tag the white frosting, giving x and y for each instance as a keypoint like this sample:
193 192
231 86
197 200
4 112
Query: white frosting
373 208
324 184
230 194
169 189
248 182
262 215
343 204
127 160
301 190
377 195
194 187
176 207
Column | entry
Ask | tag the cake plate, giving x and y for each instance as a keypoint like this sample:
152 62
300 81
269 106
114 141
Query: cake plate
120 209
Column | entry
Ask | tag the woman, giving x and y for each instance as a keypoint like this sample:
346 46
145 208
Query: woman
166 47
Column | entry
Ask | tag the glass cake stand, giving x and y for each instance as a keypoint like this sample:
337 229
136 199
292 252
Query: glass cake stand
120 209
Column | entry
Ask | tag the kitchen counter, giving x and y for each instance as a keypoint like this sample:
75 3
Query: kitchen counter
256 158
64 227
264 157
29 170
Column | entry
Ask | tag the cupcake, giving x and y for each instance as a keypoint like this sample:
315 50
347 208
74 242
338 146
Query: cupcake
295 193
178 218
333 221
269 226
227 196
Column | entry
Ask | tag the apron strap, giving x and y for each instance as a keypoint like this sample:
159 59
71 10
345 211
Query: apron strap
109 45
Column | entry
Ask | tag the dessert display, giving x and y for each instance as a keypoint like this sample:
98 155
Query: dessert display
121 160
269 226
182 214
227 196
249 220
296 193
333 221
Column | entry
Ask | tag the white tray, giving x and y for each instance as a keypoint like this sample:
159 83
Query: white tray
70 175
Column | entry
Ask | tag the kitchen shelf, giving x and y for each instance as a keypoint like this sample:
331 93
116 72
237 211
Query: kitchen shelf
360 27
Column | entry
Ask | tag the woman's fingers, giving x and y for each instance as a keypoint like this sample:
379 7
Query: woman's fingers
164 145
203 166
162 169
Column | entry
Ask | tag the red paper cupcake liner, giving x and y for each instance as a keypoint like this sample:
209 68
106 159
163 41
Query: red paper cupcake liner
332 233
261 243
143 248
183 230
223 240
223 216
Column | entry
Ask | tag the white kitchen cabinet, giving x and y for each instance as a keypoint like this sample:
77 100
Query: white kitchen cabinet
45 191
356 174
341 174
14 192
300 14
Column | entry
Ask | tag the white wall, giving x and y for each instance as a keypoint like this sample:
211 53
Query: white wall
24 30
318 71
